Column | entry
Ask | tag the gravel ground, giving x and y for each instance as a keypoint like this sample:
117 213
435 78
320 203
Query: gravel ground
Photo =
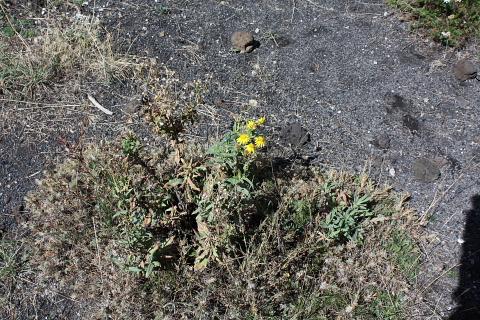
371 95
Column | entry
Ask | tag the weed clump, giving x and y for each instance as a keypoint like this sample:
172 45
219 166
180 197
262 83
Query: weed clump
450 22
222 231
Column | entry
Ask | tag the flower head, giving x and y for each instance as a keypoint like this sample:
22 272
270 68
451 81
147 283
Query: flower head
252 125
243 139
261 121
260 141
250 148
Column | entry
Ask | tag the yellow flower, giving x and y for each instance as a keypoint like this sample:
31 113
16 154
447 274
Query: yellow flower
261 121
243 139
250 148
252 125
260 141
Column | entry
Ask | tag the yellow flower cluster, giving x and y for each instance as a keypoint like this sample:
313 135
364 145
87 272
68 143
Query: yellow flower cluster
249 141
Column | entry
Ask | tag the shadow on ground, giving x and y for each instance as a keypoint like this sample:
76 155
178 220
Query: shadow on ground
467 293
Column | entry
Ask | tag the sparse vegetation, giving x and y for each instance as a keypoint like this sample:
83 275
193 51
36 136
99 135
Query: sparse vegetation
405 253
448 21
11 259
221 231
64 53
13 265
188 230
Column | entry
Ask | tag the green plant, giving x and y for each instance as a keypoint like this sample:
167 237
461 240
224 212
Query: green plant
131 146
24 27
163 9
227 200
236 152
301 213
405 253
317 306
13 267
182 230
11 259
384 305
450 22
347 213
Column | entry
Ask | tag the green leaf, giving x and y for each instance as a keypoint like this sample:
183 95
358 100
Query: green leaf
134 269
175 182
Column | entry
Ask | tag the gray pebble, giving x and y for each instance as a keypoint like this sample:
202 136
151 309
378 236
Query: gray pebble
425 170
465 70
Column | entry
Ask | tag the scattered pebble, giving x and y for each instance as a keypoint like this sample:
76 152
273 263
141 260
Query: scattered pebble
382 142
411 123
465 70
295 135
391 172
425 170
243 41
460 241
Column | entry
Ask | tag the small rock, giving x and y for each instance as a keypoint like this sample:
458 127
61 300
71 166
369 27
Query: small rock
295 135
440 161
243 41
253 103
425 170
382 142
396 103
411 123
282 41
162 34
392 172
465 70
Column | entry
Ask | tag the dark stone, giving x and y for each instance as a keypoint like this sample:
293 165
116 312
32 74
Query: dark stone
447 109
396 103
425 170
411 123
282 41
295 135
382 142
410 57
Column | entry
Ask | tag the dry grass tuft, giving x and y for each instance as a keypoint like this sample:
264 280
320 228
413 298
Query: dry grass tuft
44 79
65 52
